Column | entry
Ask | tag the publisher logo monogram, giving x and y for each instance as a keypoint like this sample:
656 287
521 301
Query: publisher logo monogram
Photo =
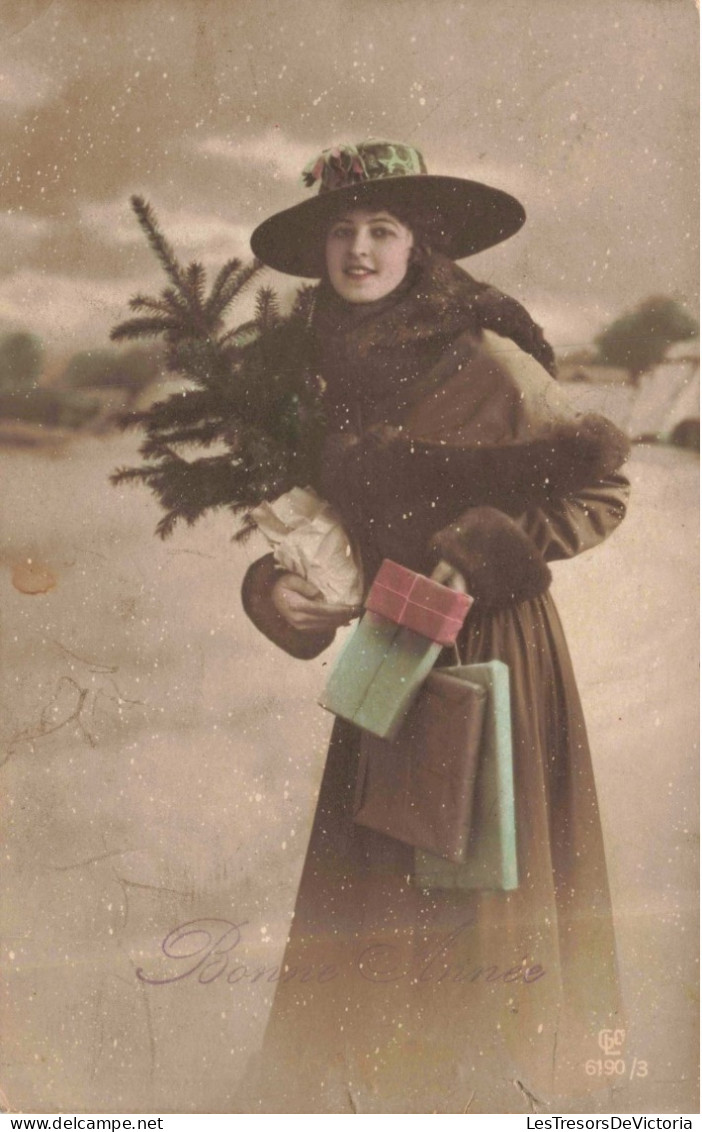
610 1041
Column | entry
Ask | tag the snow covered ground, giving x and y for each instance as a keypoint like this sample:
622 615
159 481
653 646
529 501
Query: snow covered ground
161 764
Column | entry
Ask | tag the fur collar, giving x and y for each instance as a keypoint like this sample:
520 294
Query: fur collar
374 358
437 302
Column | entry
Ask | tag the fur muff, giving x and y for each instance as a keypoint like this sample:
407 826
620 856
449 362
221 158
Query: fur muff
499 562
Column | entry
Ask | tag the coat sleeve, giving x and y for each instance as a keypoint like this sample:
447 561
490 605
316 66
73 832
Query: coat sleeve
504 559
258 605
579 522
383 477
554 491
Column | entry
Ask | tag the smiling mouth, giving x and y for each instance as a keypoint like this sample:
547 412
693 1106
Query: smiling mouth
358 272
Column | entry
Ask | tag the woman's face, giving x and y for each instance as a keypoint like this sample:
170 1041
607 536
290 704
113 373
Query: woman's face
367 254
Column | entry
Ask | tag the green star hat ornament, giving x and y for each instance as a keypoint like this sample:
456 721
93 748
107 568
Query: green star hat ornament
470 215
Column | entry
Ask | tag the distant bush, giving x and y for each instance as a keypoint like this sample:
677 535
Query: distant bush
55 408
686 434
639 339
131 370
21 359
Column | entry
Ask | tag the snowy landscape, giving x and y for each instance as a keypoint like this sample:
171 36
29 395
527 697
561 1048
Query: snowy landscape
162 761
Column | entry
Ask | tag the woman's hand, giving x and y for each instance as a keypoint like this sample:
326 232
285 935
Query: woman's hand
304 607
449 576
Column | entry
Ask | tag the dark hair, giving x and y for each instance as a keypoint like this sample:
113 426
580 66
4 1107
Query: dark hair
424 224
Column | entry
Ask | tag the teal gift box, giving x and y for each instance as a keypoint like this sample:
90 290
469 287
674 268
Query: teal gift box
408 620
491 859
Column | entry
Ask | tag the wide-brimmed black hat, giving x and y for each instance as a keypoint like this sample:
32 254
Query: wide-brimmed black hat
469 215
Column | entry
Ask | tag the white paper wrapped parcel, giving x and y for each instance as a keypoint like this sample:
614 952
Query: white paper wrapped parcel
308 539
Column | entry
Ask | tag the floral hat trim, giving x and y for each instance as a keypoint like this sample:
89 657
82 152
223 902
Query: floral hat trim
345 165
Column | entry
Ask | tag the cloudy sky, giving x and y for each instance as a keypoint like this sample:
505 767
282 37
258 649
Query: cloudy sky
585 109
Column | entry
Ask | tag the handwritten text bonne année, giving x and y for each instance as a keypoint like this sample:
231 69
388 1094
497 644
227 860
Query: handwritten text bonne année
212 950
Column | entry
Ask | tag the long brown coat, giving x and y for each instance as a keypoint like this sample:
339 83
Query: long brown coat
403 1000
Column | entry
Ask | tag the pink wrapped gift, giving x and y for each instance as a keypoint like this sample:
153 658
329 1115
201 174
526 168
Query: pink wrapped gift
430 609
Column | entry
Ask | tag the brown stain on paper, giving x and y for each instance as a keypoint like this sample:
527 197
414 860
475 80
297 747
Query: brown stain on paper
30 577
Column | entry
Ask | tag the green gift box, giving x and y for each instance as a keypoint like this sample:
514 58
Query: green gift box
378 673
409 618
492 845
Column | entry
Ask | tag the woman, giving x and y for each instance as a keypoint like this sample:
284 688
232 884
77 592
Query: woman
451 450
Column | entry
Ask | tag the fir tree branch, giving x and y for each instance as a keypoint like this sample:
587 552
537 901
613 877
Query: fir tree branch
182 280
143 328
247 528
144 303
233 287
176 300
195 275
267 309
188 407
162 248
204 434
239 332
250 392
231 267
305 300
166 525
124 475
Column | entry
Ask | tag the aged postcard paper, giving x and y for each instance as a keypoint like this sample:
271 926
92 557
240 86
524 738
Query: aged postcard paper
164 833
